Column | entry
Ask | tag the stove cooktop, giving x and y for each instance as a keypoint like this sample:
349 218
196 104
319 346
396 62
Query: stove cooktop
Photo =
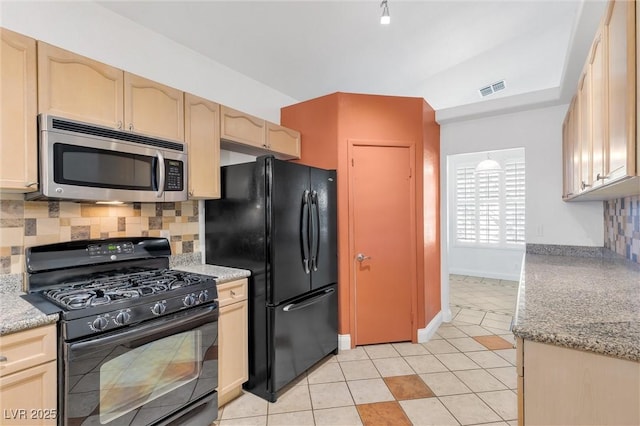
103 290
97 286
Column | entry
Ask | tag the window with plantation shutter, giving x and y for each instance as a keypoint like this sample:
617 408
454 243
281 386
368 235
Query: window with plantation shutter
490 206
465 205
514 201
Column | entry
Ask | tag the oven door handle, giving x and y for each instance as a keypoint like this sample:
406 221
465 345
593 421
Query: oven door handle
140 335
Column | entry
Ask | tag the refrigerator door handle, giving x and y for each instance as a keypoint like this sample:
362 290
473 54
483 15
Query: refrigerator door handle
315 232
295 306
304 231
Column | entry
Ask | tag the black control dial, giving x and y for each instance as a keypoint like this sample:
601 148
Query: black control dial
203 296
99 324
159 308
189 300
122 318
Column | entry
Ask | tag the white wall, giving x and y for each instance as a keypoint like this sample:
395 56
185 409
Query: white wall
93 31
549 219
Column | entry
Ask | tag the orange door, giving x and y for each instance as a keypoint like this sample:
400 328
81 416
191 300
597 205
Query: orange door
383 247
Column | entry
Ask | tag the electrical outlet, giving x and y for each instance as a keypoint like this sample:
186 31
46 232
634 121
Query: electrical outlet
539 230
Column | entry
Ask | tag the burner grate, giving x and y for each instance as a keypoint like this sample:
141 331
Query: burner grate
102 290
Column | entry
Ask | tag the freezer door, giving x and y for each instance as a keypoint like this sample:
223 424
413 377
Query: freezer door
288 230
304 332
323 224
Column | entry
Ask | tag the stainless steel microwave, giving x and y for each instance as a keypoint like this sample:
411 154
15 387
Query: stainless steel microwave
85 162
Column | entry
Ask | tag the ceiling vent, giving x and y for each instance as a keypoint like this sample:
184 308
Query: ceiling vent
492 88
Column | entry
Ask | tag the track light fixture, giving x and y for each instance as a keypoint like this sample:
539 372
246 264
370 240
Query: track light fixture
385 19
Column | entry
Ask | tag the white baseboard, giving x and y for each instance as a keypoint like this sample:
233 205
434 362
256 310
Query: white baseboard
344 342
424 334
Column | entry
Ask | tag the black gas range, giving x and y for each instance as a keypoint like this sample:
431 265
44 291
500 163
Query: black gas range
120 305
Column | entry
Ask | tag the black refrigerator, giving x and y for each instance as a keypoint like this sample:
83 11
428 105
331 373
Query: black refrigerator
279 220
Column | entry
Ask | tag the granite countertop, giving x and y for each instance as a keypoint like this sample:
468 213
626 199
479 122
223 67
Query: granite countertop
590 304
223 274
16 314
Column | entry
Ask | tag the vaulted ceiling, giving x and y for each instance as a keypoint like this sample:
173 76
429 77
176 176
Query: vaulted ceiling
440 50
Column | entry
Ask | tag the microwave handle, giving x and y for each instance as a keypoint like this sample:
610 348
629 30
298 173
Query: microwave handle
160 174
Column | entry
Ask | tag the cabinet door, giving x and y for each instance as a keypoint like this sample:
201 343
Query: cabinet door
18 136
153 109
79 88
233 364
567 158
598 111
284 142
202 136
619 27
29 397
575 129
236 126
27 348
584 99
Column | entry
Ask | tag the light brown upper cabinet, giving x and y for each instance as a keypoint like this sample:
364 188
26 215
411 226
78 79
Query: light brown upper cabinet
239 127
252 135
596 72
584 100
607 156
571 151
202 136
283 140
79 88
619 27
18 105
153 108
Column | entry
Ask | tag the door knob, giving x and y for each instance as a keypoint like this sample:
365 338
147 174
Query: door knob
361 257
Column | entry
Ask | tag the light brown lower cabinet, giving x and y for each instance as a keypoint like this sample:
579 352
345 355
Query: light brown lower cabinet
28 377
233 351
562 386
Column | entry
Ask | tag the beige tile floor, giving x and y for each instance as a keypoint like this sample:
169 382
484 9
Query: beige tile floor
454 379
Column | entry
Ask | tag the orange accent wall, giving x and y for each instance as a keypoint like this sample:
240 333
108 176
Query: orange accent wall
326 125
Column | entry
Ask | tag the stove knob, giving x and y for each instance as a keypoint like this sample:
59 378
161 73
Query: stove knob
203 296
99 324
159 308
189 300
122 318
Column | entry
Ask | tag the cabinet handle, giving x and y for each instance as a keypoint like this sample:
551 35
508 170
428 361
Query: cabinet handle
600 177
28 184
119 124
131 127
233 293
584 185
3 358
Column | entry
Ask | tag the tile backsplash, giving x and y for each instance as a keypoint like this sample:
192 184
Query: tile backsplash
622 227
29 223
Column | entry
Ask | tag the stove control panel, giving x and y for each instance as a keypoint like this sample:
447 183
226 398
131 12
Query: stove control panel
107 249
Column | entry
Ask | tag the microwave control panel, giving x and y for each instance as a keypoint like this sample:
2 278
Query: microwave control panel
174 175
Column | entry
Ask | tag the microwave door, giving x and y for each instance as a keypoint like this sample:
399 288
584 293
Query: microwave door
93 168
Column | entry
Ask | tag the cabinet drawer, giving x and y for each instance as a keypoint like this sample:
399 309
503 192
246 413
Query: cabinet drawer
232 292
27 348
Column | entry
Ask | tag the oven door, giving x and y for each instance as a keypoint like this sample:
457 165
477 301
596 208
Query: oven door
152 372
